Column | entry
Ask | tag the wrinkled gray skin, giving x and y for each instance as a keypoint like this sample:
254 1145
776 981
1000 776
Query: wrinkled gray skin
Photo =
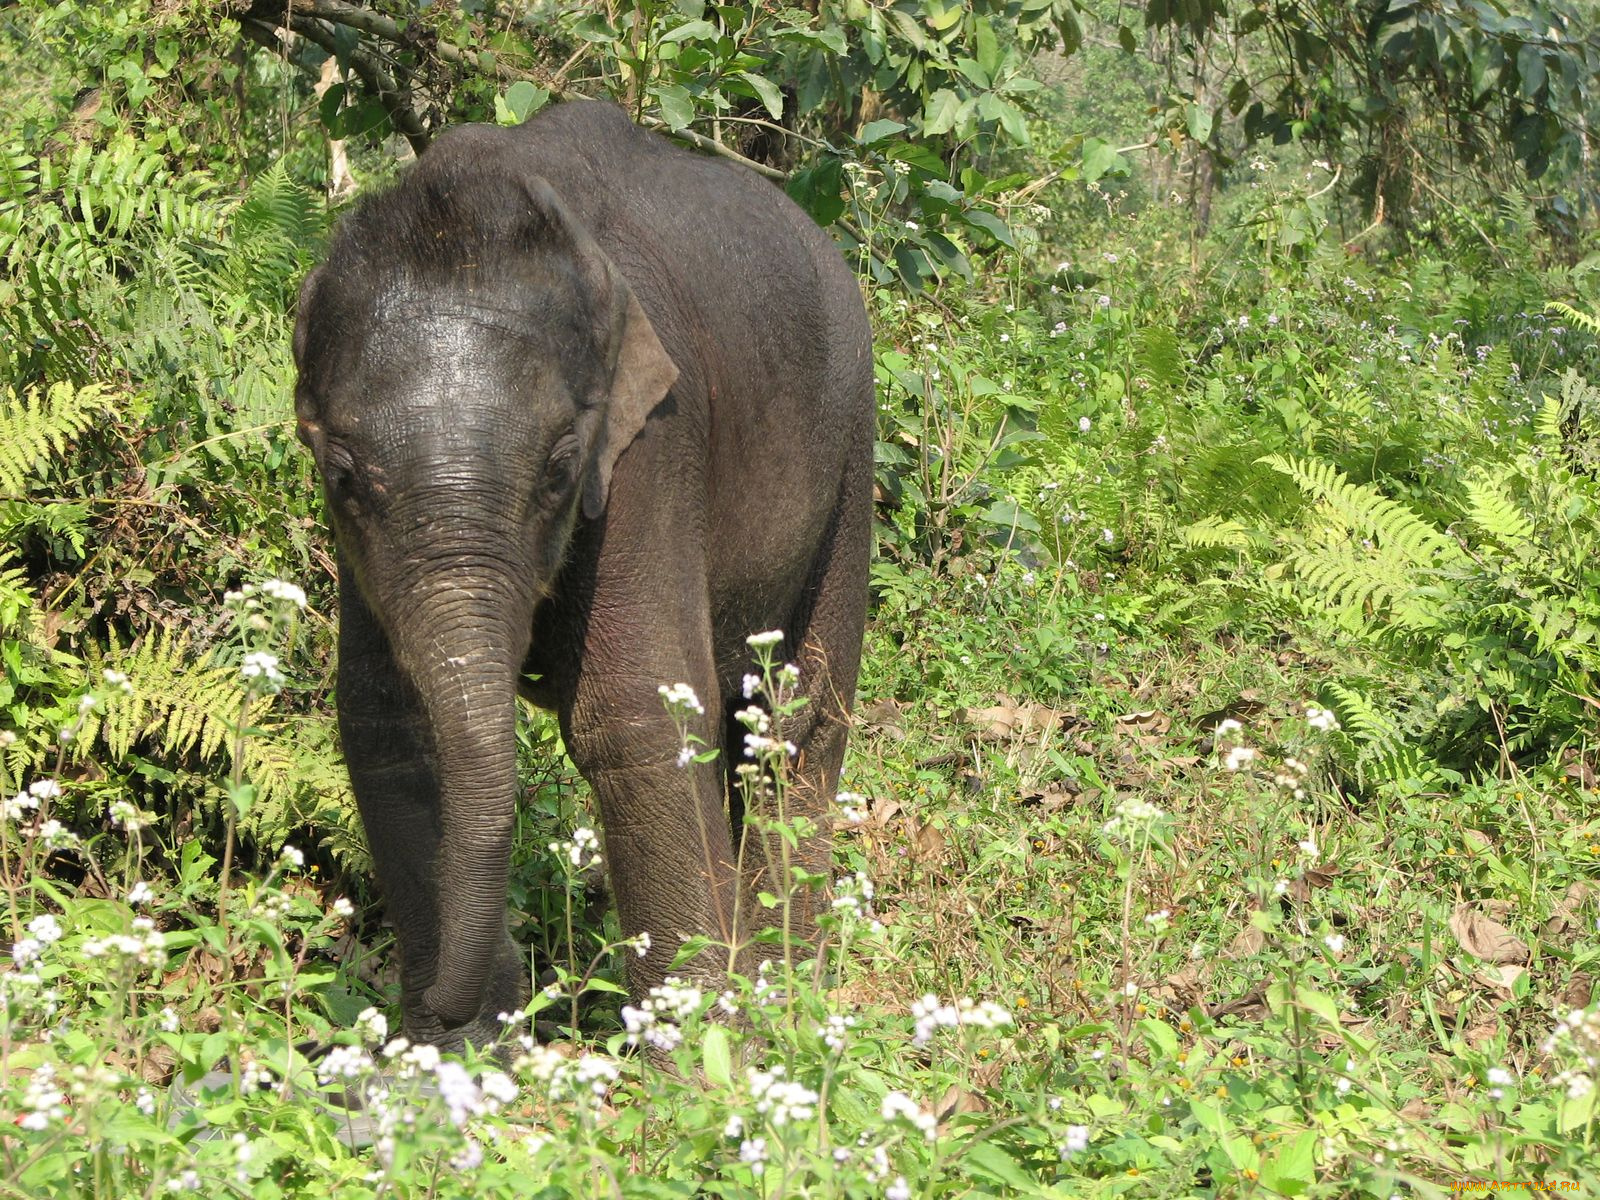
591 407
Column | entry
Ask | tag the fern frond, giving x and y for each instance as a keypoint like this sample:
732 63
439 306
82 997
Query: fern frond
1495 511
35 428
1383 752
1221 533
1583 320
1371 514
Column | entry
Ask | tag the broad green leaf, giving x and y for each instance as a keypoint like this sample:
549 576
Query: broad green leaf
817 189
987 1161
941 112
987 45
677 108
990 224
523 99
771 97
716 1059
1158 1035
1200 123
690 30
1292 1170
1006 515
1101 158
876 131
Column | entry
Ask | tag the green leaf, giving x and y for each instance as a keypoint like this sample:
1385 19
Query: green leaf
1005 514
989 1162
1158 1035
1208 1116
941 112
990 224
991 107
677 107
987 45
1126 39
524 99
876 131
771 97
329 110
817 189
716 1059
908 29
1292 1170
691 29
1101 158
911 264
1200 123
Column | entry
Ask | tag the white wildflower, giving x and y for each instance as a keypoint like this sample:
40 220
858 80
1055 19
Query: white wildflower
280 589
680 698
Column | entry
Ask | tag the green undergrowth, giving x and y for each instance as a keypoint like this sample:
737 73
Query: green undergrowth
1221 818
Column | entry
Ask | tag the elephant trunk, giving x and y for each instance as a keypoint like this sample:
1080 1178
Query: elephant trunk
467 642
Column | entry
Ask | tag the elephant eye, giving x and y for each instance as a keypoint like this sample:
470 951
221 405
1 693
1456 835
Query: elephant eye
338 470
561 466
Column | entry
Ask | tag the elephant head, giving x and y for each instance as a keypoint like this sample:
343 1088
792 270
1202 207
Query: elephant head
471 367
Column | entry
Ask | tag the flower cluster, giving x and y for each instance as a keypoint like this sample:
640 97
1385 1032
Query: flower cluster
1238 757
42 932
1577 1035
280 590
758 740
585 1078
658 1020
853 894
1292 778
852 807
43 1099
129 816
28 801
932 1014
260 671
833 1031
681 700
1132 816
897 1106
582 851
1321 718
372 1026
144 947
781 1100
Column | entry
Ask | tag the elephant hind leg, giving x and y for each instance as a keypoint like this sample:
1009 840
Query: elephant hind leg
824 638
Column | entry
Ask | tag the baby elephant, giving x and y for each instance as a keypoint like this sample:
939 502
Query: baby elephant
591 408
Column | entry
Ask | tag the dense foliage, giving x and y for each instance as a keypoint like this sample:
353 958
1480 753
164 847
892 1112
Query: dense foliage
1227 798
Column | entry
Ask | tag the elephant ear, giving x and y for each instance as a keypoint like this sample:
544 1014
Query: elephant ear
641 372
640 380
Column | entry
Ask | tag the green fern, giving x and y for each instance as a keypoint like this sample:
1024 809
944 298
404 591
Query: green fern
1371 555
1583 320
1384 751
1222 533
1495 511
36 427
1369 513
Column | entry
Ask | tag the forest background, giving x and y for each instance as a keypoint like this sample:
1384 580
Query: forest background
1224 815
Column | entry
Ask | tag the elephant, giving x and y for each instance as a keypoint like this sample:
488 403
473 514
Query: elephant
588 409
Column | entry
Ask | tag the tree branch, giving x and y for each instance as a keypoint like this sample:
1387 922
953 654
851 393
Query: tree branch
267 29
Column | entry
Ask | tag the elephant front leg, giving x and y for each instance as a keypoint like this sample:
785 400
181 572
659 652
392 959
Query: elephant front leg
389 748
668 850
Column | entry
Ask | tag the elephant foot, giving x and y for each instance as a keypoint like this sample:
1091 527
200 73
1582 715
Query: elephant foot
506 993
